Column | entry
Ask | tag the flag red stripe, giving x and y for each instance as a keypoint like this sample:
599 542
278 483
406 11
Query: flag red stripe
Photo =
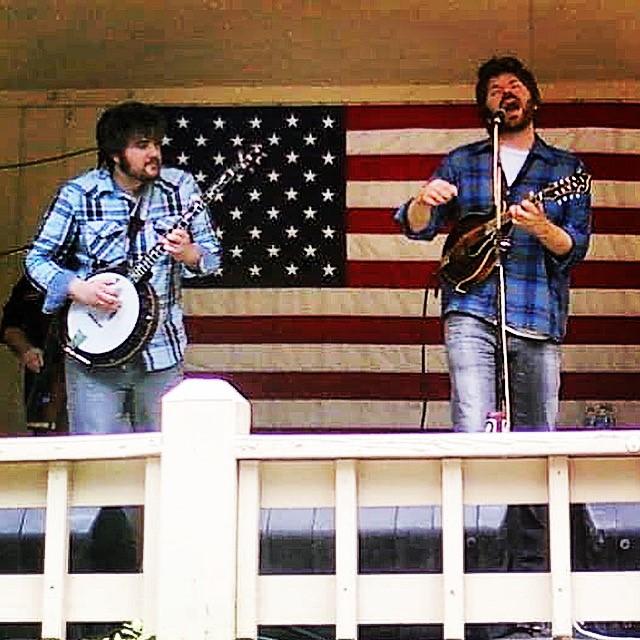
602 166
371 221
602 274
604 220
407 386
464 116
379 330
615 220
313 329
392 167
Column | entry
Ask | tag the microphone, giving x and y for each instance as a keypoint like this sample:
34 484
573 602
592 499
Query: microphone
498 117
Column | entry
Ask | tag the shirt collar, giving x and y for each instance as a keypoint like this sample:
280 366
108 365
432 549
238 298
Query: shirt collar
108 185
540 149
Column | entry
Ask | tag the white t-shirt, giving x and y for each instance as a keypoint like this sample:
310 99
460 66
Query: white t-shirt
512 160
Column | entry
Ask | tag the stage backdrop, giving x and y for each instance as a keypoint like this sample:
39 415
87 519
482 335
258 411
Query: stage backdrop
319 315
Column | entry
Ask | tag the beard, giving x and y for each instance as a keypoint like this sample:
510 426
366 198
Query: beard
140 175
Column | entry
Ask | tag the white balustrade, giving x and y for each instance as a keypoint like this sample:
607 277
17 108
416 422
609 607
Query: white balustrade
204 479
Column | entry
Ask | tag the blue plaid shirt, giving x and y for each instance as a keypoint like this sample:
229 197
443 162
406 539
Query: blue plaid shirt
537 281
85 229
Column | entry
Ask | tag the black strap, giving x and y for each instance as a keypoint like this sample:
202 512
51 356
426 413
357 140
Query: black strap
137 218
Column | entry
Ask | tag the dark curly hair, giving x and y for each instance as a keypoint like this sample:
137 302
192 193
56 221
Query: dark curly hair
118 124
496 66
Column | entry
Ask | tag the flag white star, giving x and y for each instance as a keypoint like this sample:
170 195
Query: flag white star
273 251
292 270
274 140
201 141
292 157
328 270
220 232
291 194
236 141
327 122
236 213
273 175
236 252
254 195
218 197
292 121
166 141
273 213
309 176
328 232
200 177
328 158
218 123
255 122
310 251
218 159
310 213
327 195
255 271
218 272
183 123
182 158
291 232
309 139
255 233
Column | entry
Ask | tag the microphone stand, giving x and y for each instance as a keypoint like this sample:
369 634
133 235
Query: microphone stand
503 400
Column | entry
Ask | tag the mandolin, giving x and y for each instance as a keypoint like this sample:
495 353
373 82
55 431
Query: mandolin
469 252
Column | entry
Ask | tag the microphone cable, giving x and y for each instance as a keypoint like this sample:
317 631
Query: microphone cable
48 159
423 358
10 252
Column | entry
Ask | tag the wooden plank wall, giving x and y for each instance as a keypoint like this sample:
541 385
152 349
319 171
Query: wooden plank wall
32 133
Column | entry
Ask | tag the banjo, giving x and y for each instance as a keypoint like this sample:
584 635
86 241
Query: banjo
102 338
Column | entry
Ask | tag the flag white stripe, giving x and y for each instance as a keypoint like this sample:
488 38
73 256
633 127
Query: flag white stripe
391 193
399 414
397 247
372 302
420 141
389 358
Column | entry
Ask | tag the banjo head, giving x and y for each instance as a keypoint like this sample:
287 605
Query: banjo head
97 332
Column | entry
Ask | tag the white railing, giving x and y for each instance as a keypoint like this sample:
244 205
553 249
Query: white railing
204 479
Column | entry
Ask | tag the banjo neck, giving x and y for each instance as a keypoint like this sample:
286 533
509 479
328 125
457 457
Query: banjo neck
197 204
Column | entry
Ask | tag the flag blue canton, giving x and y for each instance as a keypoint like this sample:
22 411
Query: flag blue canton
283 224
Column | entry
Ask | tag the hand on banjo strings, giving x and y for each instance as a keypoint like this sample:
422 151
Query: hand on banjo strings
100 292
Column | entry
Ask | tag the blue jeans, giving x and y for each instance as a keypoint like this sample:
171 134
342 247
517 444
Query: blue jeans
121 399
534 372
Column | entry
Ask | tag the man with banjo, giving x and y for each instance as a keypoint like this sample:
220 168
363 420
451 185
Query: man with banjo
115 244
545 239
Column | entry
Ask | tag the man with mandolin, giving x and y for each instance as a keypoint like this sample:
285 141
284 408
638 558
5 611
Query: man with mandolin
544 231
125 346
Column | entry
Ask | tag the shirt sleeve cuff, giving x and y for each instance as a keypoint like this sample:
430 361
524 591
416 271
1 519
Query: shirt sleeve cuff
208 263
401 217
565 262
57 291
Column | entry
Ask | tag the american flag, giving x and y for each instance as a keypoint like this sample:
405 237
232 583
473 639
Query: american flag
321 314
